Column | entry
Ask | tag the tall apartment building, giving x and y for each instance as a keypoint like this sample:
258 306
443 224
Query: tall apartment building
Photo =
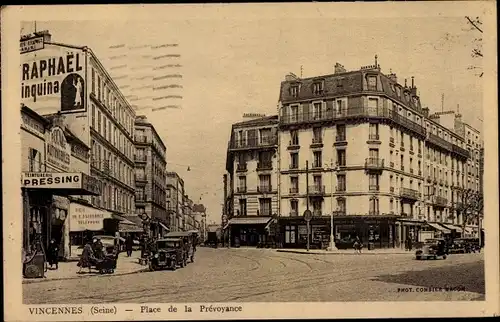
175 200
359 145
150 174
252 165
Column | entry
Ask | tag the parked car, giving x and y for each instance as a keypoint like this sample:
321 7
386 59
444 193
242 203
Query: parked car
432 248
345 243
167 253
458 246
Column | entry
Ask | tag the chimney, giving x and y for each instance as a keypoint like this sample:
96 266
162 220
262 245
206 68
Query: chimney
392 76
434 117
413 89
339 68
425 110
47 37
290 77
406 85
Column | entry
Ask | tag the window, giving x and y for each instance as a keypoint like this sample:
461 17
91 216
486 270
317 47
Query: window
317 111
99 122
402 139
374 206
373 134
373 154
317 134
35 164
242 184
93 81
341 132
340 107
391 183
373 182
341 158
265 183
341 182
294 134
93 116
99 87
294 207
316 204
105 127
372 104
265 136
318 88
290 237
294 185
318 163
294 91
265 207
294 159
402 163
372 83
317 182
341 205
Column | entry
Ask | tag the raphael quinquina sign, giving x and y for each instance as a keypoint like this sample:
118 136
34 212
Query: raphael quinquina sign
59 76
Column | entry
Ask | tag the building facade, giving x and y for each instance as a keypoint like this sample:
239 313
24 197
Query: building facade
175 200
150 174
252 164
359 145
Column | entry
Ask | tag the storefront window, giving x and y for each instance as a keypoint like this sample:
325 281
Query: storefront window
290 234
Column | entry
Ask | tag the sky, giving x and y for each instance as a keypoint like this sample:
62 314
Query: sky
231 67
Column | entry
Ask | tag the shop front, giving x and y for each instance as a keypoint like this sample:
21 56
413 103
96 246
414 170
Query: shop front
46 208
439 230
411 230
249 231
379 231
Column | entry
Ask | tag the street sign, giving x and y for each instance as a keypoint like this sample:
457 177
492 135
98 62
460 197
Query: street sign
308 215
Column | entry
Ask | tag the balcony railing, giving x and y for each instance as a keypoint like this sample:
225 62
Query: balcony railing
141 139
140 158
340 188
352 113
241 189
264 165
316 190
264 189
373 212
408 193
374 163
293 143
391 140
391 189
340 138
373 137
391 164
140 178
294 166
140 197
241 167
374 187
317 141
317 213
460 151
294 190
436 140
439 201
254 142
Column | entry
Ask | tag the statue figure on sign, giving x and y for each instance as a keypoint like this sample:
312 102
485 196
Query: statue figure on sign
78 94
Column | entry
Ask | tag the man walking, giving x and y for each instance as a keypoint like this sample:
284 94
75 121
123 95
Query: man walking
129 243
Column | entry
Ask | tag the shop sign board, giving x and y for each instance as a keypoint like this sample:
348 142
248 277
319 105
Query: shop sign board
58 150
86 218
51 180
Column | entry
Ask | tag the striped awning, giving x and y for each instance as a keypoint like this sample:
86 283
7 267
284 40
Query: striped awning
439 227
453 227
248 220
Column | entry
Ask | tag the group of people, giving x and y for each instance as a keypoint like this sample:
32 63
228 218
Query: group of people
92 252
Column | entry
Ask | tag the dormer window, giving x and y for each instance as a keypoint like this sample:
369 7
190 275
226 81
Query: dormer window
372 83
407 97
294 90
393 88
318 88
398 91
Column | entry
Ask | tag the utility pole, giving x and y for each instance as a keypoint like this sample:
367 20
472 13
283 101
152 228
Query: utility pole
224 210
332 236
307 184
442 102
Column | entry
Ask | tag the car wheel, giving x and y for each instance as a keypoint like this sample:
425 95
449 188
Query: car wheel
444 256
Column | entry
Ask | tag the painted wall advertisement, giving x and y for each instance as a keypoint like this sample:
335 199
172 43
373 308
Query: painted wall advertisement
53 79
86 218
58 150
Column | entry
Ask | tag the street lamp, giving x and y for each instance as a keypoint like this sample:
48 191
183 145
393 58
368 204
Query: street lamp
332 246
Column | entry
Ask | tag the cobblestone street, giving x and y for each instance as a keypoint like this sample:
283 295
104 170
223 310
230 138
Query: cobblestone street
256 275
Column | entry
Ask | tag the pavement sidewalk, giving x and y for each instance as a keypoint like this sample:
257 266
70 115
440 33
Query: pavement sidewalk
69 270
383 251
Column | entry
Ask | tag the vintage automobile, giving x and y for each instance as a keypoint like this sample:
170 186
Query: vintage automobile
190 239
458 246
167 253
432 248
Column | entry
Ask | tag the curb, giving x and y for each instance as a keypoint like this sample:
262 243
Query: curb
346 253
43 280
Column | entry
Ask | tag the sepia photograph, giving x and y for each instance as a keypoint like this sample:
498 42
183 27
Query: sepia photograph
225 159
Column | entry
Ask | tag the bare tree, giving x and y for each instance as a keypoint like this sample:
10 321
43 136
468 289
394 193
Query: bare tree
469 206
475 25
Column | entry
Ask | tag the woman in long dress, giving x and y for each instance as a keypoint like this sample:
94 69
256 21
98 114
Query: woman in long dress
87 258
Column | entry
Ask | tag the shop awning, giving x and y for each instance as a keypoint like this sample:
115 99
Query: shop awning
452 227
123 228
469 230
439 227
164 226
248 220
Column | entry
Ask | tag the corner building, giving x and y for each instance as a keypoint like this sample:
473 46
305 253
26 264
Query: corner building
360 145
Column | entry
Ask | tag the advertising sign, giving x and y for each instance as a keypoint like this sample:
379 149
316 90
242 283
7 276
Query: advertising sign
58 150
53 79
86 218
31 44
51 180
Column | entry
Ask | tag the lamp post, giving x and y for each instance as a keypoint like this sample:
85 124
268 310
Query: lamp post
332 246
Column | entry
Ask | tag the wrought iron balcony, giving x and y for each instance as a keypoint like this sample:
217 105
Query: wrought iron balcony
440 142
264 165
439 201
294 166
374 187
140 158
141 139
460 151
391 140
316 213
241 189
241 167
391 164
317 140
373 213
373 137
408 193
340 188
294 190
316 190
296 118
340 138
391 189
254 142
374 163
264 189
140 178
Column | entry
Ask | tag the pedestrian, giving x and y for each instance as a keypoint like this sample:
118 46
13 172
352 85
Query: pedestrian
129 243
98 248
358 245
410 244
87 259
406 244
53 253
